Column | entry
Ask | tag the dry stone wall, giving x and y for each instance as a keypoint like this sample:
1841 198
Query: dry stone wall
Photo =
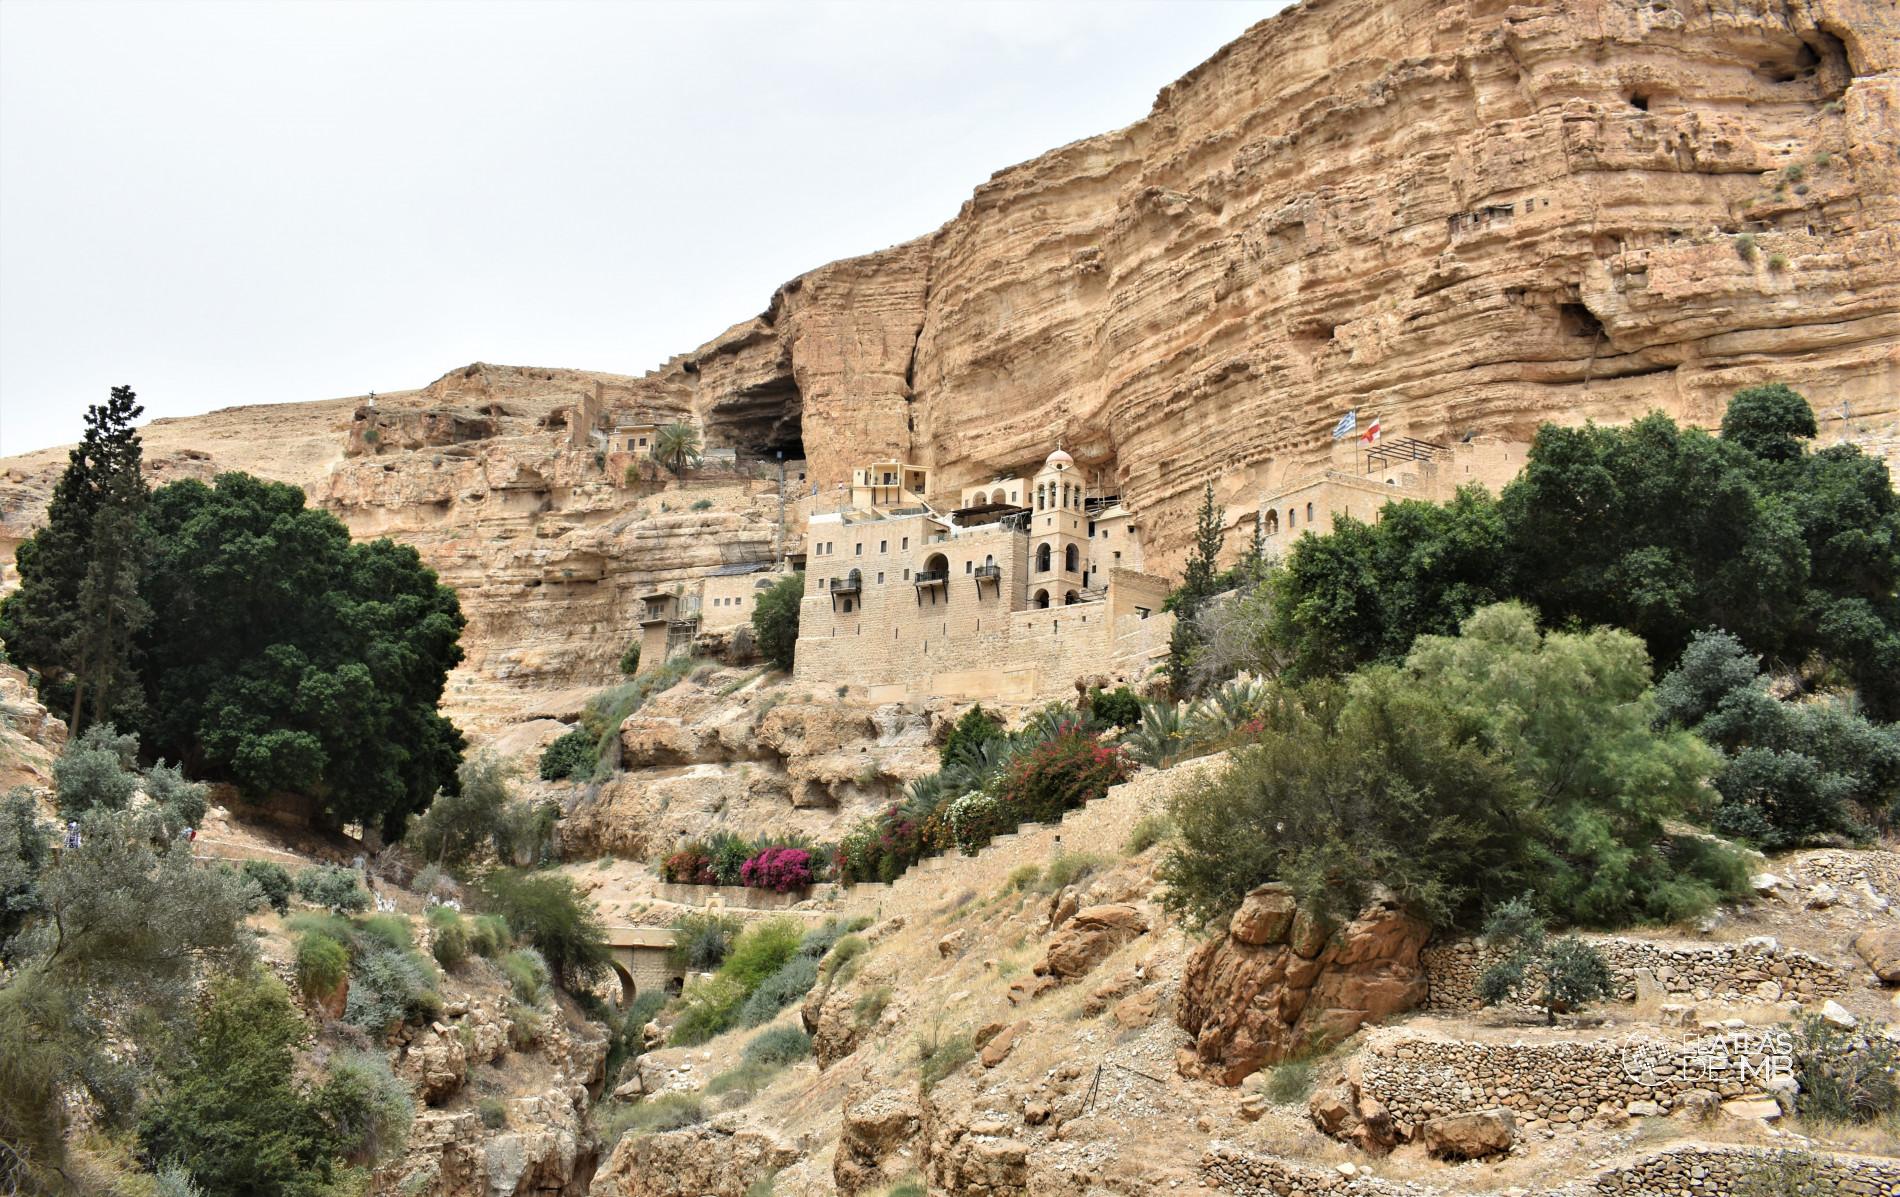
1698 1171
1565 1083
1754 970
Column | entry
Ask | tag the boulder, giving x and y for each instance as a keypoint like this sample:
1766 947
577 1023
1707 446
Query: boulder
1265 915
1880 948
1470 1136
1343 1110
1088 938
1835 1014
875 1139
997 1048
1248 1005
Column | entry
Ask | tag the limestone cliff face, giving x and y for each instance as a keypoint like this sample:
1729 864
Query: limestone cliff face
1466 217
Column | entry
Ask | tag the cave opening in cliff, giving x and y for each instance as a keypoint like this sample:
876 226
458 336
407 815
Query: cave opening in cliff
761 422
1579 321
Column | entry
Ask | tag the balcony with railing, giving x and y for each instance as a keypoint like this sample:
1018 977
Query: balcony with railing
930 577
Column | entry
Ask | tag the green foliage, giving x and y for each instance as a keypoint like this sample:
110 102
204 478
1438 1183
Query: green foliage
322 963
1793 772
389 985
527 974
676 447
975 726
1364 592
1846 1075
366 1107
1290 1082
761 950
775 619
778 1046
1148 831
1494 763
1120 707
629 665
26 848
183 802
870 1005
109 941
1066 869
939 1055
95 771
284 657
272 881
493 1112
482 815
702 505
230 1109
488 935
1200 581
449 937
571 754
842 954
1059 775
1772 422
79 610
1560 975
665 1112
708 1007
701 940
545 910
332 887
784 987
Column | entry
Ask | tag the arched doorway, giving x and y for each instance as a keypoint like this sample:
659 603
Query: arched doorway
1042 599
1044 556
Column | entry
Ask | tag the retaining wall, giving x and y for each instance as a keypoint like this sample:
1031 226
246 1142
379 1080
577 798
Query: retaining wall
1755 970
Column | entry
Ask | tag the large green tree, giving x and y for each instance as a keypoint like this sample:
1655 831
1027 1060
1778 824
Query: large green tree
286 658
78 608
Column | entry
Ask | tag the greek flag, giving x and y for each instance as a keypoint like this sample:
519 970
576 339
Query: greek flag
1346 424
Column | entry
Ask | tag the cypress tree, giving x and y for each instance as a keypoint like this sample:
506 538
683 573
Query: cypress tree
78 607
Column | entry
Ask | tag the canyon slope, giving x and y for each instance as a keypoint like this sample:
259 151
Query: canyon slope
1464 219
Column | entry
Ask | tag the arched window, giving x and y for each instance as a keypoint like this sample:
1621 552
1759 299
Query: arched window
1071 599
1071 560
1290 520
1309 513
1039 496
1042 598
1042 558
1273 523
937 563
996 496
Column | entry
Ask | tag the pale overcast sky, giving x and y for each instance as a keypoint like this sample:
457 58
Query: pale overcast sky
226 203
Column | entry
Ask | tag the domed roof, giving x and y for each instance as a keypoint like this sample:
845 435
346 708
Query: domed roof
1058 461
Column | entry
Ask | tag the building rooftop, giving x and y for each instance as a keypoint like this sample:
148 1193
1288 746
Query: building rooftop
743 567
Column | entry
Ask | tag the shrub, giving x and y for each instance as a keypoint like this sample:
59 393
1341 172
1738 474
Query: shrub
940 1055
1061 774
820 940
493 1111
449 941
975 819
488 935
433 881
1066 869
781 870
775 619
666 1112
701 940
691 865
630 660
182 802
1148 831
1846 1075
1290 1082
527 974
321 965
975 726
871 1005
708 1008
842 954
545 910
573 753
367 1107
728 854
94 771
389 986
272 882
1559 975
333 888
779 990
1745 246
778 1046
383 931
1120 706
761 950
1497 763
703 505
1023 877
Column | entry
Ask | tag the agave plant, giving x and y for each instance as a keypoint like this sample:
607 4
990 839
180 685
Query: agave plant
1223 712
1163 735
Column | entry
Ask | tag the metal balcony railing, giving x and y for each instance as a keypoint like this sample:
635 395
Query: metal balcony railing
931 577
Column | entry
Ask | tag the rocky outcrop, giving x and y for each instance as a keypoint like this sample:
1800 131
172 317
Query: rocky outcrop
1880 948
1278 983
719 1159
1470 1136
876 1139
30 735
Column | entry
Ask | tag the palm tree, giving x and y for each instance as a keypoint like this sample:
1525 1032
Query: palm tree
676 446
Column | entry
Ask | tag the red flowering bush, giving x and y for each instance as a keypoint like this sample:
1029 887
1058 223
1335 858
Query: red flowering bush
1066 771
882 848
780 870
691 865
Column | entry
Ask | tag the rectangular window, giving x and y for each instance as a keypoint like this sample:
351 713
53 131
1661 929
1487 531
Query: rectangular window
906 543
906 575
883 546
969 566
859 549
880 575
